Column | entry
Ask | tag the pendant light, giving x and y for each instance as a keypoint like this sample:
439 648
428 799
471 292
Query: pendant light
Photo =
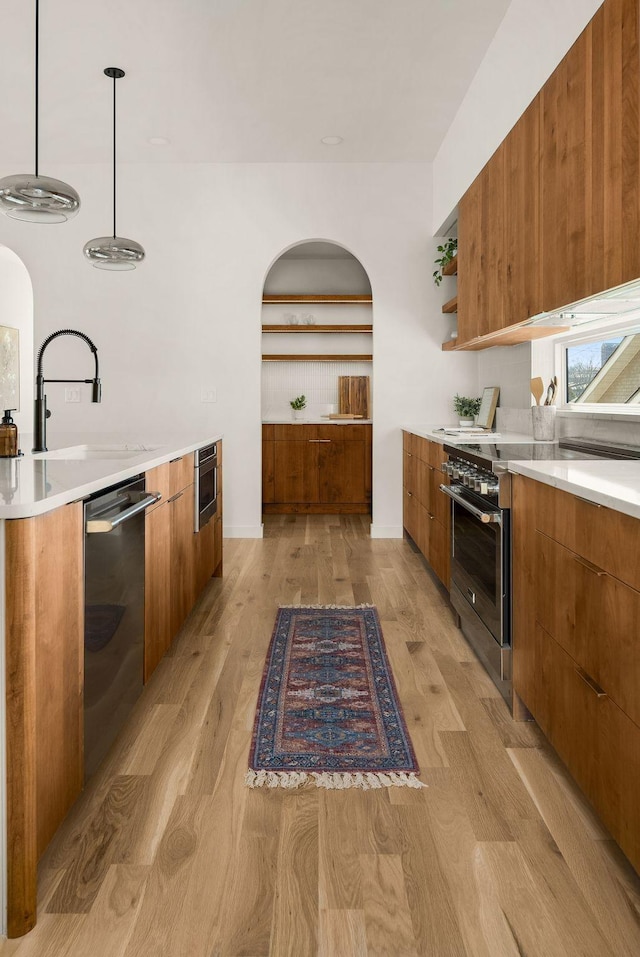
114 252
35 198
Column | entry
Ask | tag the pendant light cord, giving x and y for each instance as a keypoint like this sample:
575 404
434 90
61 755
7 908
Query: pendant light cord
37 79
114 157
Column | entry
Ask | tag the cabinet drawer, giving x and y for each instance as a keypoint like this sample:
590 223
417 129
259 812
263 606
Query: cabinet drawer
597 741
171 477
604 536
437 455
410 472
594 617
344 433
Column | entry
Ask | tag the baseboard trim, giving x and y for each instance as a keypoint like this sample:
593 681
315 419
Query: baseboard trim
386 531
243 531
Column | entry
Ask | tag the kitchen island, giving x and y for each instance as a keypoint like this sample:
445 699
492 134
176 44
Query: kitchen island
42 620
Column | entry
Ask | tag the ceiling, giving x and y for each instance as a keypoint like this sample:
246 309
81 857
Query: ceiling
239 80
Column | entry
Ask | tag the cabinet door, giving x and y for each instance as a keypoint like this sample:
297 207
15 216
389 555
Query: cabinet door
481 253
615 143
469 261
182 557
157 587
439 547
342 471
522 290
268 471
568 269
295 466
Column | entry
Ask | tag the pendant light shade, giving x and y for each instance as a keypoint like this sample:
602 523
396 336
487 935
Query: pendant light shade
114 252
35 198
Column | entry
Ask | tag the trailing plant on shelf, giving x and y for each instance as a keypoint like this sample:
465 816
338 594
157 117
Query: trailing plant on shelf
299 403
448 250
465 408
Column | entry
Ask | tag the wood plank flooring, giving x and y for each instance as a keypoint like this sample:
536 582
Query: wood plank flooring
167 854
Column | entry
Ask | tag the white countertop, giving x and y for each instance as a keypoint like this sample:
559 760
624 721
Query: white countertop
435 434
314 420
614 484
33 484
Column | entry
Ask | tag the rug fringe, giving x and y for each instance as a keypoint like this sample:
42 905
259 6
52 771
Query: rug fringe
333 780
321 607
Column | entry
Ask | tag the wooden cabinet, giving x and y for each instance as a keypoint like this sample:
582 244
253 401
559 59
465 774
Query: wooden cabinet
564 224
178 562
316 468
44 635
575 633
426 510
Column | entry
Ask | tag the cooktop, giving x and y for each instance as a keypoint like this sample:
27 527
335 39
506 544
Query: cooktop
486 454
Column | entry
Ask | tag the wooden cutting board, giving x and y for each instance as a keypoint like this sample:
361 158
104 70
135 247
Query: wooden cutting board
354 395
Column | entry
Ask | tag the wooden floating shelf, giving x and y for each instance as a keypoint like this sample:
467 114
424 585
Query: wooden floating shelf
318 299
318 328
451 306
451 269
509 336
316 358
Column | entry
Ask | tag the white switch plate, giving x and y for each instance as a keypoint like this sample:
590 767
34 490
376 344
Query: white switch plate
208 395
71 395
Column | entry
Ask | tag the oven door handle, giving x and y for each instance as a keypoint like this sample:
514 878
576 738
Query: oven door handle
486 517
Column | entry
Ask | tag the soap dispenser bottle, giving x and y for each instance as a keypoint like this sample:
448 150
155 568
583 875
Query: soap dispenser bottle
8 436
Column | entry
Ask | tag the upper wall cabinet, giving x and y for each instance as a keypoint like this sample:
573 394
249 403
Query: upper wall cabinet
565 223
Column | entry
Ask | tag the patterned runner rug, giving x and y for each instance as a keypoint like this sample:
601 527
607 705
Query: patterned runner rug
328 712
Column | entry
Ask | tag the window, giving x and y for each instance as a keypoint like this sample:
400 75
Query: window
603 370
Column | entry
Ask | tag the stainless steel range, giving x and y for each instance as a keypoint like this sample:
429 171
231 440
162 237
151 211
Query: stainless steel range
480 490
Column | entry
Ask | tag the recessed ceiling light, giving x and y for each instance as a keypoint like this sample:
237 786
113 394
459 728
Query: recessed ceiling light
331 140
159 141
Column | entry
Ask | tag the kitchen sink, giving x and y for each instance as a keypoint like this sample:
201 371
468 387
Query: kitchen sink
97 452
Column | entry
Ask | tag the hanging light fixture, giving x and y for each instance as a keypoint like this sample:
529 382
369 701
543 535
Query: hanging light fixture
114 252
35 198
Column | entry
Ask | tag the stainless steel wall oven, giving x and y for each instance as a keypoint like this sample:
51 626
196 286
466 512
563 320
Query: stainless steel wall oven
206 484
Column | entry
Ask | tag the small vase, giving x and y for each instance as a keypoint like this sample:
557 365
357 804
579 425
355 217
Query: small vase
465 423
298 414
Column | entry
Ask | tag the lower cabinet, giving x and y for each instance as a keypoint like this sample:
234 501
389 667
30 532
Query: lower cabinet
178 561
316 468
575 644
44 639
426 510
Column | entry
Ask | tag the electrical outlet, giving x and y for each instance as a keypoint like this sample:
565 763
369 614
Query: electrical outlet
71 395
208 395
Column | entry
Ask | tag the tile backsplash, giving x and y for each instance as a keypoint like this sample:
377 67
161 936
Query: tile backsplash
318 381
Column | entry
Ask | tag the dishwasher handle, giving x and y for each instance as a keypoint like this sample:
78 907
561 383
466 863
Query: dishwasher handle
99 525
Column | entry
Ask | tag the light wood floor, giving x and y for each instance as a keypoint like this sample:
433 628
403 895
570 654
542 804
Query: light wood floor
167 854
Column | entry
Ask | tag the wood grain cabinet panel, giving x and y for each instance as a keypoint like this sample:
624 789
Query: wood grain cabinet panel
183 590
426 510
575 644
470 262
44 620
522 288
319 468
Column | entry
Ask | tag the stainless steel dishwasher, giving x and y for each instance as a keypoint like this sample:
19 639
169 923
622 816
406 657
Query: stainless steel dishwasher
114 612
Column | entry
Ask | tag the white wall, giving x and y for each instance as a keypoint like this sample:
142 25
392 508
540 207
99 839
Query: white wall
528 45
16 311
190 316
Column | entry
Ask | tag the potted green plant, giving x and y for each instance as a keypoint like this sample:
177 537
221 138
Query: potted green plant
466 409
298 405
447 251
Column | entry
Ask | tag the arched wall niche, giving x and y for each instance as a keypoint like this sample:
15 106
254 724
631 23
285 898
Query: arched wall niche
16 312
313 267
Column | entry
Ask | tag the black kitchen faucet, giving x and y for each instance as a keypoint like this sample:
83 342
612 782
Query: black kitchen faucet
41 413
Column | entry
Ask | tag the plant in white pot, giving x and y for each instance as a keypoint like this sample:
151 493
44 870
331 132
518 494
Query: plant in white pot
466 409
298 405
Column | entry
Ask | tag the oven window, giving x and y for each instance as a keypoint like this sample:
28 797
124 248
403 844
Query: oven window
477 551
207 480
